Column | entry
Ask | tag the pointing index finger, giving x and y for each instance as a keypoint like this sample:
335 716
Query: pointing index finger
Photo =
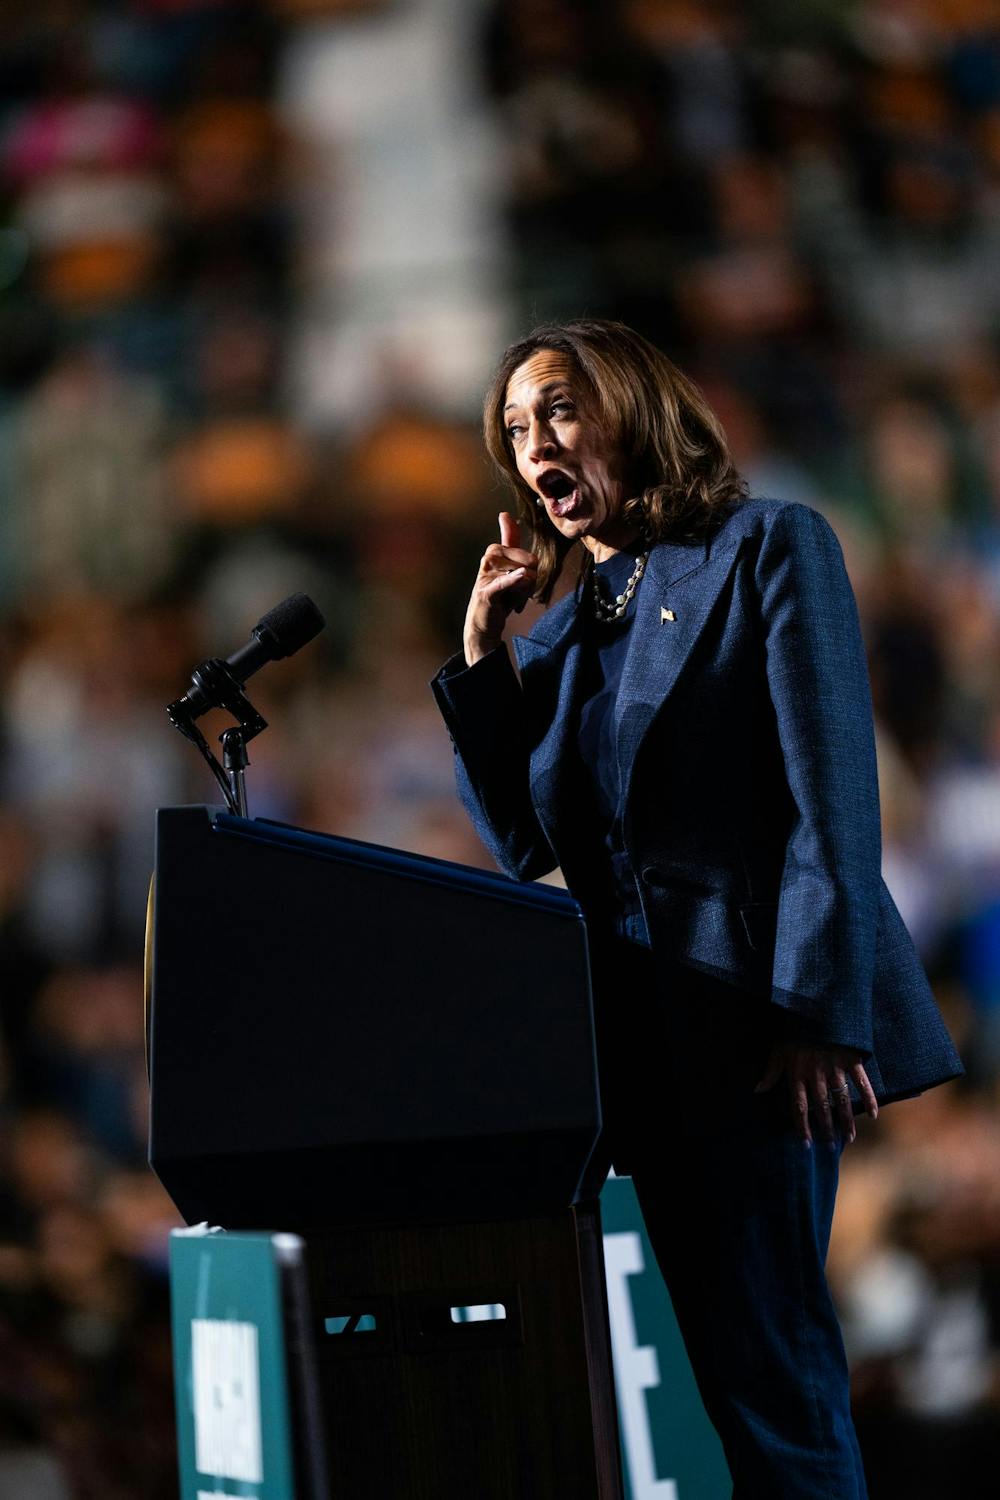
510 531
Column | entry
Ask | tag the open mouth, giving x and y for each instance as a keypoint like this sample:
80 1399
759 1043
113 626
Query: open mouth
559 489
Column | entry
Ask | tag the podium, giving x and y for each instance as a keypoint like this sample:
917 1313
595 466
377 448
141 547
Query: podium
392 1058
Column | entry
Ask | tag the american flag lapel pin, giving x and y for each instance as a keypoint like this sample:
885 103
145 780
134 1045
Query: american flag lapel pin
666 614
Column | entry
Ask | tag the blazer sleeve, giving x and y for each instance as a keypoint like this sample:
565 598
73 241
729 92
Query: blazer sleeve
817 676
483 707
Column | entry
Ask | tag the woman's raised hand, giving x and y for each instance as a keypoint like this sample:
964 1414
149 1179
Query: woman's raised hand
506 581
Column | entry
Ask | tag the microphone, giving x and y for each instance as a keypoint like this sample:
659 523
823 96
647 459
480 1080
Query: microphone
280 633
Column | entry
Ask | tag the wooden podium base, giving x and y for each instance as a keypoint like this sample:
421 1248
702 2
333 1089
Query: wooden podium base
429 1394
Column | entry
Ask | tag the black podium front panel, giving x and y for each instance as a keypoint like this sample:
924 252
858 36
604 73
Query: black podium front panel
342 1033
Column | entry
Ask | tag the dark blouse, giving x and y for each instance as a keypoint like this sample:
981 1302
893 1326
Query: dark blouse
605 646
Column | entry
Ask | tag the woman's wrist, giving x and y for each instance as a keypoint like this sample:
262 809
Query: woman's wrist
478 646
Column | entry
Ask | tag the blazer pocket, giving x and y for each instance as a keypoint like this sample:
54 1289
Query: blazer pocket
760 923
660 879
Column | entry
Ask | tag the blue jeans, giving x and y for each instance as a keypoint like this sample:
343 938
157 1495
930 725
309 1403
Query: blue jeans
738 1212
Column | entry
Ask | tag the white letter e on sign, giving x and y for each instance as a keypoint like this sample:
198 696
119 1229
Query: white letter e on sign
637 1369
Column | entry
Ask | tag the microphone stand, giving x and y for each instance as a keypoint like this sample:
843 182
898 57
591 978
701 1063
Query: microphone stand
234 762
220 689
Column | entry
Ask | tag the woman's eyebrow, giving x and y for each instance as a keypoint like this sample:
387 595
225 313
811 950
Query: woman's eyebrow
543 391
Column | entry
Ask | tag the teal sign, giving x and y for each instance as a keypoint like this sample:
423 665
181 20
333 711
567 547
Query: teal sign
670 1450
230 1380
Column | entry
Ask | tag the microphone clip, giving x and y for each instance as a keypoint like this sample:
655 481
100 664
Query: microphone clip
215 686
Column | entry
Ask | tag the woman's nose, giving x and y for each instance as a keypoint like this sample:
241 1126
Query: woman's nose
541 441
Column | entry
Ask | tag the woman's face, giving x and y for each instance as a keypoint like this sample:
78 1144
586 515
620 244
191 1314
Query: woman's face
563 453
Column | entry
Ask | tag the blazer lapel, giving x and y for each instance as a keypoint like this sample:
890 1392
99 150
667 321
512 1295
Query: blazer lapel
681 584
549 662
684 578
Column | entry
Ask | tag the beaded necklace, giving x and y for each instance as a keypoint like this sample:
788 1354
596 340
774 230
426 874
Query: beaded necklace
607 610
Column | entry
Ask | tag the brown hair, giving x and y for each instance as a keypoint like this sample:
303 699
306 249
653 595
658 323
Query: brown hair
678 459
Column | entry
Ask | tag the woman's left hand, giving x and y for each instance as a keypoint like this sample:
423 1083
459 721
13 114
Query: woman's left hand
817 1081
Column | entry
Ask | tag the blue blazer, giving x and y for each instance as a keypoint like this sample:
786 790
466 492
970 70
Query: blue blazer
746 750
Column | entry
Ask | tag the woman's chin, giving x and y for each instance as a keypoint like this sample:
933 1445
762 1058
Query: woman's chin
572 527
579 524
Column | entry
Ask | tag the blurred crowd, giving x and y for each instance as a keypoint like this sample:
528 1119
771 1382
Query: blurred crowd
256 262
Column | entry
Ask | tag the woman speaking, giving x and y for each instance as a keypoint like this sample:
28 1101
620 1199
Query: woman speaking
690 739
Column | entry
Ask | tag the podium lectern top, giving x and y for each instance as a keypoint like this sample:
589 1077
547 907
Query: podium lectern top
343 1033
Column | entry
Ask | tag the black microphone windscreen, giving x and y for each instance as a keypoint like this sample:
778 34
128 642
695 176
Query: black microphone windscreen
289 625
